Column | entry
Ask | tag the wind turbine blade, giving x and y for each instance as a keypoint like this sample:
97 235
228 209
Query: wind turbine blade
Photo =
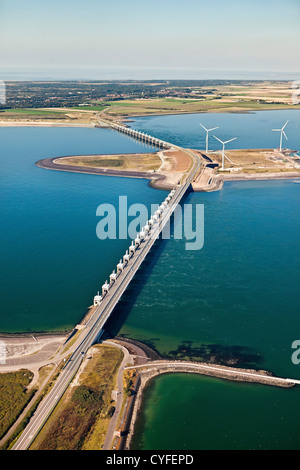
203 126
218 139
285 135
227 141
285 125
213 129
277 130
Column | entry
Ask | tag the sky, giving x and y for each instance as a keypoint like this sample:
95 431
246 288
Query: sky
150 38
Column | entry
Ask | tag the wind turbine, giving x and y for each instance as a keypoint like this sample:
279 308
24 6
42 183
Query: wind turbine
281 132
207 131
223 152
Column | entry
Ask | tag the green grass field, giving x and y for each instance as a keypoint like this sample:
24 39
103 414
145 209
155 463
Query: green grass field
42 114
32 111
174 106
221 98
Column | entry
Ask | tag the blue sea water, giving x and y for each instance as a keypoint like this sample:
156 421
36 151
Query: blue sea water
236 299
52 262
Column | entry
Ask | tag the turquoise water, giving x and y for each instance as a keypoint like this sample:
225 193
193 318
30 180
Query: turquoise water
235 300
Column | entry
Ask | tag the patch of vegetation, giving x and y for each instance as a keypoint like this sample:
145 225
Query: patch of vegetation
89 108
28 114
84 397
41 112
107 162
21 426
138 162
128 381
75 420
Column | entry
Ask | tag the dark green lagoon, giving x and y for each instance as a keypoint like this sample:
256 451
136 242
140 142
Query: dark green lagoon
191 412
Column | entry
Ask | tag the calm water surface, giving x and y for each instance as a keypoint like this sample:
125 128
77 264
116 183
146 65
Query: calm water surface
190 412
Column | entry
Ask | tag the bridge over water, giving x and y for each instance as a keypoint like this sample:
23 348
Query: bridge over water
141 136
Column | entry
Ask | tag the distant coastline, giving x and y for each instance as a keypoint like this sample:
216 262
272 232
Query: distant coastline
126 119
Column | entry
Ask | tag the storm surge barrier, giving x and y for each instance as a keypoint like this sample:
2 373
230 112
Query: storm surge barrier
113 288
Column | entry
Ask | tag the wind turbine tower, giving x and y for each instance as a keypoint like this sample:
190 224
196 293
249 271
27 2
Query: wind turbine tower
281 133
223 152
207 131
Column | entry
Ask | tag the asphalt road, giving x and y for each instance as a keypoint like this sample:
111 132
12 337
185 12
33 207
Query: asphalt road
119 398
